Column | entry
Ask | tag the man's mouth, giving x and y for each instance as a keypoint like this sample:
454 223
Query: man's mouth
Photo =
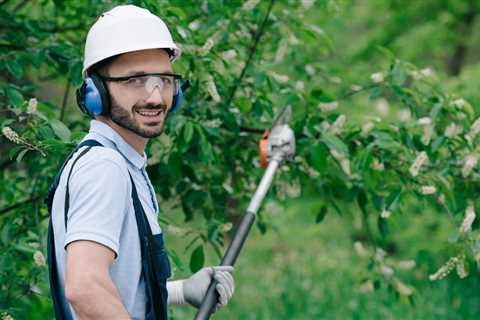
149 113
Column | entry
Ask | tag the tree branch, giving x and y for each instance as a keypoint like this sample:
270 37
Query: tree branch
456 62
252 51
19 204
65 100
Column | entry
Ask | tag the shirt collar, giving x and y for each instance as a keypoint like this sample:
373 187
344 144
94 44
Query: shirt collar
122 146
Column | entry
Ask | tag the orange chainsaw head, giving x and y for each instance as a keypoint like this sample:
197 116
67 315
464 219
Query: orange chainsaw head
262 148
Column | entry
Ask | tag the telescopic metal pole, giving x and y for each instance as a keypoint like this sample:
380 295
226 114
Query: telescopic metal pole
281 146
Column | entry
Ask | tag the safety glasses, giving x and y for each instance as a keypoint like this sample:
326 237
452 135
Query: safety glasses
142 85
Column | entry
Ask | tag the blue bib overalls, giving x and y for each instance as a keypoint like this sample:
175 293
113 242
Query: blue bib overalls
155 264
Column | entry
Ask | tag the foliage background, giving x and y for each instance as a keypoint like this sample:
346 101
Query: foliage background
381 195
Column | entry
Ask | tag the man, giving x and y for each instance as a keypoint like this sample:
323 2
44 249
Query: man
104 211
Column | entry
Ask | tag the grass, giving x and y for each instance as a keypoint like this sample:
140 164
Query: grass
302 270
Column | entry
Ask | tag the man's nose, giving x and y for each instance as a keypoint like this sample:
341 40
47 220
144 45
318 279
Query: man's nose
155 97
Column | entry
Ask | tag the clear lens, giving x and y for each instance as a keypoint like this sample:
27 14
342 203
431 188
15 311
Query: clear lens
143 86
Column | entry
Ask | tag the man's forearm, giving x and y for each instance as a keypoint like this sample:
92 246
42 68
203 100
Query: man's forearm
97 299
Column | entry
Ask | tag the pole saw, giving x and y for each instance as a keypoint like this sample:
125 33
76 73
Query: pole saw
276 148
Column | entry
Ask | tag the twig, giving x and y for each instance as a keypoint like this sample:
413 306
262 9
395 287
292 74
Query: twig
19 204
65 100
252 50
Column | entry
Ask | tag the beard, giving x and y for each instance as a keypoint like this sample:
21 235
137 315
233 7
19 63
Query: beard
127 120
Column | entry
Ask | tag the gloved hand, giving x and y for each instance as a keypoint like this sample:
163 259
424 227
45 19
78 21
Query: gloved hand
195 287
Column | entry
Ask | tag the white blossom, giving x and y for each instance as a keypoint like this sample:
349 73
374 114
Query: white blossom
402 288
328 106
229 55
360 249
293 40
280 78
310 70
382 106
427 72
366 128
208 45
441 199
6 316
177 231
406 264
250 5
467 222
452 130
459 103
281 51
194 25
444 270
427 190
386 271
380 254
300 86
214 123
421 159
32 105
227 227
338 123
424 121
470 163
39 258
473 131
404 115
12 135
427 135
212 89
461 271
325 124
356 87
227 187
377 165
345 164
307 4
377 77
385 214
366 287
336 80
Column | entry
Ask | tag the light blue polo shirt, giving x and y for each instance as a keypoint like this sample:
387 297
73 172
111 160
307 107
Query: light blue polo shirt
101 210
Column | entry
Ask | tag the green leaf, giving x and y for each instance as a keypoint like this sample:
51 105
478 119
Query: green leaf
188 131
15 97
197 259
21 154
334 143
321 95
321 214
60 130
14 68
382 226
318 158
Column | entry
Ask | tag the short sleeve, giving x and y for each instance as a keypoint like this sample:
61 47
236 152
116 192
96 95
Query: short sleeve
98 201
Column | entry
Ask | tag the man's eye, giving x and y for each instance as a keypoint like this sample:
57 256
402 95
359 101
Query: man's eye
167 81
137 81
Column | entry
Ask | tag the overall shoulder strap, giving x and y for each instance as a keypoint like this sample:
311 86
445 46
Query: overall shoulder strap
154 293
60 305
53 187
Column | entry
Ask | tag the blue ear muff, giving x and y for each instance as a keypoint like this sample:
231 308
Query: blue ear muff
92 97
178 98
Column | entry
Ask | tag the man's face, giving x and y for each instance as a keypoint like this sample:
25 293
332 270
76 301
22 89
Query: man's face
144 114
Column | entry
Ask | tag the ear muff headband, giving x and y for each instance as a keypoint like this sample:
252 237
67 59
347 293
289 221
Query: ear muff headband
178 98
92 97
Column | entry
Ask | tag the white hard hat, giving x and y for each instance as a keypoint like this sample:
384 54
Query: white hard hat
124 29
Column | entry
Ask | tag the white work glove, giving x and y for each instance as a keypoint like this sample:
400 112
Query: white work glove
193 289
